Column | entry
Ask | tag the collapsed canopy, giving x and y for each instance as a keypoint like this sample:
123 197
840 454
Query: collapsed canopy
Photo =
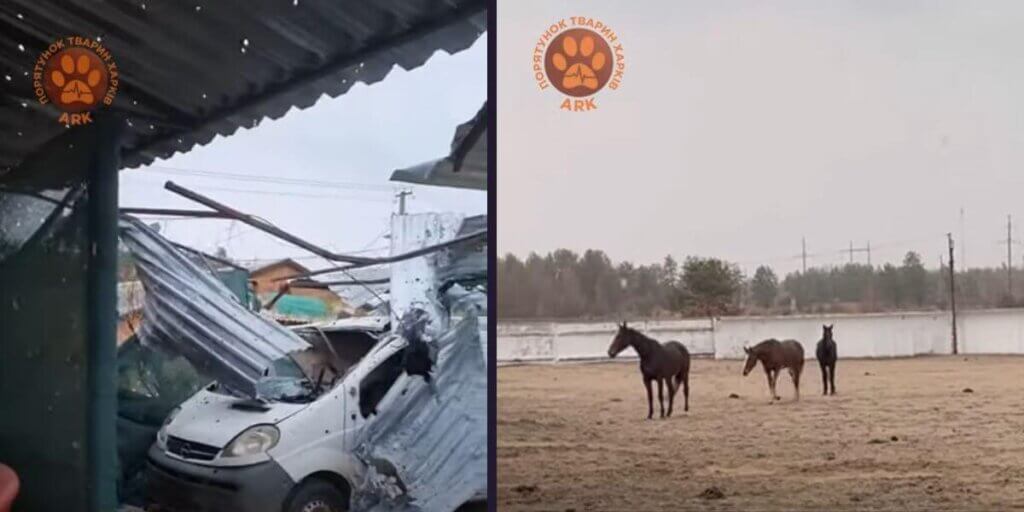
187 311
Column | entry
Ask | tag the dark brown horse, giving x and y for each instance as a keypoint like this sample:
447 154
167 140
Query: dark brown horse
827 355
668 363
774 356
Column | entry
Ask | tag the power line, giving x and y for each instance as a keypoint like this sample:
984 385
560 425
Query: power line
869 248
306 257
235 176
237 190
292 194
851 250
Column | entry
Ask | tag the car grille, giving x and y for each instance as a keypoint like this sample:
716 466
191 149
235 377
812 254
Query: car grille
191 450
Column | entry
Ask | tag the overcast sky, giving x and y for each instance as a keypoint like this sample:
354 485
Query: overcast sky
354 141
741 127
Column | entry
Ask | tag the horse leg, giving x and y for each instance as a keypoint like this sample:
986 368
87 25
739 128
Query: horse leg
686 391
771 385
832 376
661 398
824 377
794 373
650 398
672 388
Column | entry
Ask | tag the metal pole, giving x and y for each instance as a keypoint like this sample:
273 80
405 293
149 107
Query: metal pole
401 201
1009 257
175 213
803 252
101 380
476 235
963 240
263 225
952 290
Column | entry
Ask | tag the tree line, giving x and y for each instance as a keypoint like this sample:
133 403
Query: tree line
564 284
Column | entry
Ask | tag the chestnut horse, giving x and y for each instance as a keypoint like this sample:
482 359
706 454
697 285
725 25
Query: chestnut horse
774 356
668 363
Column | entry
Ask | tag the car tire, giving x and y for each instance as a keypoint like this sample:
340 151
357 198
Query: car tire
317 496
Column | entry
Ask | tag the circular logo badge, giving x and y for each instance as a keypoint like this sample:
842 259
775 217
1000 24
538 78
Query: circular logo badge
75 79
579 62
76 75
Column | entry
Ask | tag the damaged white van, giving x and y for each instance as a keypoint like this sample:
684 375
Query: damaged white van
299 452
322 418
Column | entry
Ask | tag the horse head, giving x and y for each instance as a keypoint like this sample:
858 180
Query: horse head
826 332
751 360
620 341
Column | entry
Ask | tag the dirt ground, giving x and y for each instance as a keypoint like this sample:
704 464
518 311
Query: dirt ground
900 434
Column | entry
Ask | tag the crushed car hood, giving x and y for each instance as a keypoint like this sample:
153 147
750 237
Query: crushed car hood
214 419
434 445
189 312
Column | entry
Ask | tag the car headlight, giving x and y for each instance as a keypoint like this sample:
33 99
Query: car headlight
253 441
161 435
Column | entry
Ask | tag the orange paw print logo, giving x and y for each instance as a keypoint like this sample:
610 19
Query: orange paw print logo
579 74
76 79
578 62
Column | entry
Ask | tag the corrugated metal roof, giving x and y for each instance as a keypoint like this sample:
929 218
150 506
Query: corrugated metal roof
191 313
372 323
194 70
464 167
130 295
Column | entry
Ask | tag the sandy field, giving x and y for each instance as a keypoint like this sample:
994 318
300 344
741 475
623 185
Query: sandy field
900 434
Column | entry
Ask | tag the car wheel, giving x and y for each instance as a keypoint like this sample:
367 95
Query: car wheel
317 496
473 506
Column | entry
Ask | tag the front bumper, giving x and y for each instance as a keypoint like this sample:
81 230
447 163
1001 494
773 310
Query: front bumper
175 485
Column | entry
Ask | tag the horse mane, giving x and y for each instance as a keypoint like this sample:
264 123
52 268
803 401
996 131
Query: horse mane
637 335
763 345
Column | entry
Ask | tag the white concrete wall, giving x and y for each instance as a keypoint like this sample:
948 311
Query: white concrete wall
876 335
866 335
998 331
554 341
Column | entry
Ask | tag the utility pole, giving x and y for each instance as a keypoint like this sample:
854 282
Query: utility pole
1009 257
401 200
866 249
963 240
952 289
803 252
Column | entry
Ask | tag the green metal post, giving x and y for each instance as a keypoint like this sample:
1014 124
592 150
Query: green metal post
102 314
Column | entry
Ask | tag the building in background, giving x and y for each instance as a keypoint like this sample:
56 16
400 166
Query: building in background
298 305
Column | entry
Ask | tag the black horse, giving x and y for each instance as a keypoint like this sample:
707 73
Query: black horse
668 363
827 356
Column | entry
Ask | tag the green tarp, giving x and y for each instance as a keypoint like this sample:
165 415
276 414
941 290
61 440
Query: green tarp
297 306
